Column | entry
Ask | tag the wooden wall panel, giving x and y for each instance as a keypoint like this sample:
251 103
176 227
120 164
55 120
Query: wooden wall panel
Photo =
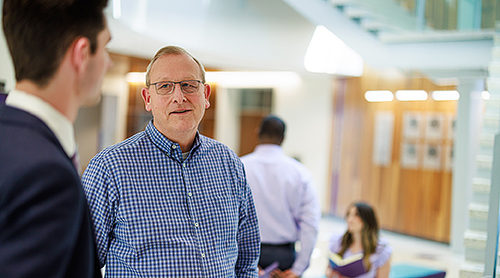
250 123
416 202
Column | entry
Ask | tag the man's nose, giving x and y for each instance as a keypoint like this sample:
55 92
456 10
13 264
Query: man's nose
177 93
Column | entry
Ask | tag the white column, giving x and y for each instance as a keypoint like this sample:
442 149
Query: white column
465 149
7 74
227 117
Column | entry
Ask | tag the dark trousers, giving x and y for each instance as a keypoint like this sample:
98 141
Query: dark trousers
282 253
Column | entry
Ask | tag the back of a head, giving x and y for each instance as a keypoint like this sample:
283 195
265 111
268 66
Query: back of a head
39 32
272 128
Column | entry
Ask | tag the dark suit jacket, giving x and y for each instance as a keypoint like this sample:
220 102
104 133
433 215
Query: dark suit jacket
45 225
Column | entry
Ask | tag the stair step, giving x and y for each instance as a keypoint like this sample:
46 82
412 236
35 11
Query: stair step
491 120
487 139
337 3
493 84
494 68
495 53
478 211
475 239
481 185
357 13
484 162
471 270
493 104
374 25
496 40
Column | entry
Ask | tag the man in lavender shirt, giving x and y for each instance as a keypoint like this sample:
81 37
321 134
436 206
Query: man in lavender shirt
285 199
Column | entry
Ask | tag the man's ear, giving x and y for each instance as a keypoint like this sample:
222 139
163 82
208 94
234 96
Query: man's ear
147 98
207 95
80 54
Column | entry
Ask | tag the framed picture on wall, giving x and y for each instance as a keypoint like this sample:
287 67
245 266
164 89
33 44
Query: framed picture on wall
448 157
382 138
432 157
451 126
412 125
410 155
434 126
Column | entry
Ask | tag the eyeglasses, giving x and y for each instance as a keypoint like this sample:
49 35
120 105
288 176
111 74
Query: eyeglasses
167 87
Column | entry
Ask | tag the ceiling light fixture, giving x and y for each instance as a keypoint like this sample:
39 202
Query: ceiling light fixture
379 96
411 95
485 95
117 9
329 54
254 79
136 77
445 95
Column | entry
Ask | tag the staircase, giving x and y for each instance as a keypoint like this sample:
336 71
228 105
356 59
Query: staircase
475 236
379 17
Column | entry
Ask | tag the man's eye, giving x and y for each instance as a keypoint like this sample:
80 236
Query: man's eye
165 86
187 86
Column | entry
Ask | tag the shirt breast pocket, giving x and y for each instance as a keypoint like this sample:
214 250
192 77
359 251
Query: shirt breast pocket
225 219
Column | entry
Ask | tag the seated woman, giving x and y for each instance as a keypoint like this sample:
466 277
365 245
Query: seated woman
362 237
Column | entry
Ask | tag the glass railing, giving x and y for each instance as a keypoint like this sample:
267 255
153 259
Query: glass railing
427 15
454 14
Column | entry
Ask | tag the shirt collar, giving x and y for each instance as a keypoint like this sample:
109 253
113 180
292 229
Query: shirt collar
61 126
163 143
268 148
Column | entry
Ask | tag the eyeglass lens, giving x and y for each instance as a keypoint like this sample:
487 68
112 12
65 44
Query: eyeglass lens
188 87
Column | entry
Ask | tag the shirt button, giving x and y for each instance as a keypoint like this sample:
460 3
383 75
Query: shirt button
184 164
190 194
196 224
203 255
174 147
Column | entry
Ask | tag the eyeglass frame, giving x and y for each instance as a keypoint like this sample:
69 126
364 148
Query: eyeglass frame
173 88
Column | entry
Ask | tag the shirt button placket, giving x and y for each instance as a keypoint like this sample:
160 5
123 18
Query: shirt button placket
190 194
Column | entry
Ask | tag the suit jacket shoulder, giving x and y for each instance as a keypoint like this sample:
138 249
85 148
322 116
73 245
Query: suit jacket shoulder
45 227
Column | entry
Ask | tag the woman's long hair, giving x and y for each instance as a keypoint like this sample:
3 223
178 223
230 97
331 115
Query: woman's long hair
369 233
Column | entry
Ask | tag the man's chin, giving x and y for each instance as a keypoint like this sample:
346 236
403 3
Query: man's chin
92 100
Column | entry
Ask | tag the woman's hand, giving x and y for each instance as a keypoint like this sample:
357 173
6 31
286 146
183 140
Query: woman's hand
330 273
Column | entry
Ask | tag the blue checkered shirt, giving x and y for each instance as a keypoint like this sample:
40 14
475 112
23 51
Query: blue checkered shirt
157 215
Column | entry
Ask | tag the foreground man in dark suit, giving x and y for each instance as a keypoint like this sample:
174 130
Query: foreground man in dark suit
59 55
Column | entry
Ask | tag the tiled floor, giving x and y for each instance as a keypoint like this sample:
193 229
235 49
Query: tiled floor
406 250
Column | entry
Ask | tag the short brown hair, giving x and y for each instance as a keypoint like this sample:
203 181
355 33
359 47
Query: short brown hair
176 50
39 32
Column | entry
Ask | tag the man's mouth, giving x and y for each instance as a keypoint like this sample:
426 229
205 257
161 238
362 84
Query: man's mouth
179 111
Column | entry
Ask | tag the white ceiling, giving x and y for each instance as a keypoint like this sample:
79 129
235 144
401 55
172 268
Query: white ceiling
274 35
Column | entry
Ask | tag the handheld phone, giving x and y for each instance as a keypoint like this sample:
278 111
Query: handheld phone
270 268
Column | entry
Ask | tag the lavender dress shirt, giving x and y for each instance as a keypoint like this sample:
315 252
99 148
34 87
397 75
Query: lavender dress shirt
285 199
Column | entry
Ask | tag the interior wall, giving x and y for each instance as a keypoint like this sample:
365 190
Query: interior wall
92 132
307 111
6 68
411 200
87 126
306 108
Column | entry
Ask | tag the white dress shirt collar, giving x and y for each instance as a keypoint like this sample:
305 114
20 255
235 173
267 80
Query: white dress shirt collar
61 126
268 148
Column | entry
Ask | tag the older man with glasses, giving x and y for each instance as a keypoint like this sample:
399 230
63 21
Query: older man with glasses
170 202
